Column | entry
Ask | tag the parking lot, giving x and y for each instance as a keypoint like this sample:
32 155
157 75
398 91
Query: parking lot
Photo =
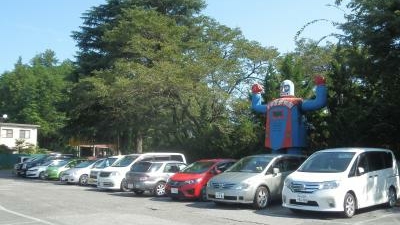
31 201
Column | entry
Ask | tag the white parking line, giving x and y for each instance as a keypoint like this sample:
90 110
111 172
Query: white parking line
25 216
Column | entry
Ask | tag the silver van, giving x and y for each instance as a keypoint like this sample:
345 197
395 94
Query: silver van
113 177
152 176
255 179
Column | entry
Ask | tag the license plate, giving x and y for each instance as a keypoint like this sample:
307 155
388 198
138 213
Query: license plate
130 185
302 198
219 195
174 190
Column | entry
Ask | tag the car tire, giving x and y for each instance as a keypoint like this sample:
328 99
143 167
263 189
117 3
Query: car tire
392 198
41 175
261 198
159 189
83 180
349 205
203 195
124 185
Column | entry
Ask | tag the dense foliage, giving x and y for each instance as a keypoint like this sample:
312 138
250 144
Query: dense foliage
152 75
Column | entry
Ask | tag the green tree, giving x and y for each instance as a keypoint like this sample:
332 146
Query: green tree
169 83
371 46
36 94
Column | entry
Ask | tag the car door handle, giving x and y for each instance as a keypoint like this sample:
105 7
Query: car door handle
373 176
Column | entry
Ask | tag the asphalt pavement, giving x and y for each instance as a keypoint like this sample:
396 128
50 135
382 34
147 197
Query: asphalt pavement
37 202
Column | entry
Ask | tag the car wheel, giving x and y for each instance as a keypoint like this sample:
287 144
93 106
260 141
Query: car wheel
83 180
203 194
159 189
349 205
124 185
41 175
261 198
392 198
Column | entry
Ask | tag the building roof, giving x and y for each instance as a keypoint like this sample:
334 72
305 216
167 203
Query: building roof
19 125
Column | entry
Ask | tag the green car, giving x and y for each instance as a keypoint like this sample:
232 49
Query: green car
54 172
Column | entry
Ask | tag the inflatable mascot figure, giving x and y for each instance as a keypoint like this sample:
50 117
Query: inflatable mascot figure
285 129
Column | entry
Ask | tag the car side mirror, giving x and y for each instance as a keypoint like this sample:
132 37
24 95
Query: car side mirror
360 170
276 170
215 171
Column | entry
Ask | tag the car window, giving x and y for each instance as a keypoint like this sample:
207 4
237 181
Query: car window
144 166
250 164
221 167
84 164
286 164
327 162
47 163
177 158
59 163
125 161
171 168
198 167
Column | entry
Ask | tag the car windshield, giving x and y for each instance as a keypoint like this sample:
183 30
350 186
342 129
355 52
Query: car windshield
198 167
84 164
60 164
57 162
146 167
105 163
250 164
327 162
125 161
30 160
47 163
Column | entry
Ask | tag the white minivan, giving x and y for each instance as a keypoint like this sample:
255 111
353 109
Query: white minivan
113 177
343 180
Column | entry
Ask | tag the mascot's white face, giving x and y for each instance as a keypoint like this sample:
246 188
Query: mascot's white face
287 88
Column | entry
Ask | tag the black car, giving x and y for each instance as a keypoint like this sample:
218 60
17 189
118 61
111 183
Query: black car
38 160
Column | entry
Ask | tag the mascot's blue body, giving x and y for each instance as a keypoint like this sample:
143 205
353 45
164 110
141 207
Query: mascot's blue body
286 124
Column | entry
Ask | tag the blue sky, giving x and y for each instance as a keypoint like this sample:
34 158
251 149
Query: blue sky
29 27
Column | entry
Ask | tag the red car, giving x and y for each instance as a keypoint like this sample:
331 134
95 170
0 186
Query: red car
190 183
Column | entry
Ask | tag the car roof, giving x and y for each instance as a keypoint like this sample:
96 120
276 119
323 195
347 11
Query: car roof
274 155
215 160
355 149
164 161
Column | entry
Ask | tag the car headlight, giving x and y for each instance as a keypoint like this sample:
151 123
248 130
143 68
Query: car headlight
33 170
330 184
287 182
242 186
115 173
194 181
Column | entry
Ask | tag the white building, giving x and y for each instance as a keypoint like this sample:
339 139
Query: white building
11 132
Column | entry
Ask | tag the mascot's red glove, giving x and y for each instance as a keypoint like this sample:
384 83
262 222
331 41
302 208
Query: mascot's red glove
257 88
319 80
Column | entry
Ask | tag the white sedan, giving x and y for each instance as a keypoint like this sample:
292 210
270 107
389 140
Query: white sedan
38 171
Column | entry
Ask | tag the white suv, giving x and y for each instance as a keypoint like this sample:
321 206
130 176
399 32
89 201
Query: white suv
113 177
94 172
343 180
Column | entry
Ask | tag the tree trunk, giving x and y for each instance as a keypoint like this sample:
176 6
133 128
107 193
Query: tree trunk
139 142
